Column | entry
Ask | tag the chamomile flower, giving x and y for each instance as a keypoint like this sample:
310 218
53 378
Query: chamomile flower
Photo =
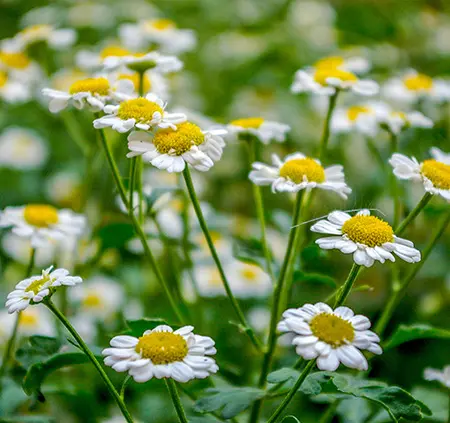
170 149
163 353
334 73
153 82
143 62
36 321
92 60
330 336
40 222
361 118
367 237
298 172
36 288
142 113
20 66
262 129
90 93
397 122
13 90
410 87
442 376
433 173
22 149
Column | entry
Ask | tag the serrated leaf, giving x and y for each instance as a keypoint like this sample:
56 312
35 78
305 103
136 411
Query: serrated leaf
231 401
314 278
406 333
37 348
139 326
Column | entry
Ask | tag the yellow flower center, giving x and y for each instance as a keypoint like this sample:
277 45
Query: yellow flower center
3 79
297 170
37 285
355 111
252 122
28 319
419 82
329 62
332 329
98 86
249 274
322 74
134 78
37 31
40 215
368 230
214 278
162 347
161 24
179 141
15 60
92 301
401 115
140 109
114 51
437 172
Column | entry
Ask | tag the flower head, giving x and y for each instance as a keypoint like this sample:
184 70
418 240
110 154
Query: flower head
298 172
331 336
442 376
143 62
163 353
262 129
37 288
14 90
172 148
433 173
367 237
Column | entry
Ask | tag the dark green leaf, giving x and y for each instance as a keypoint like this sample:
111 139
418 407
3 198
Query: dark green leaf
37 348
231 401
283 375
436 399
249 251
313 278
115 235
139 326
27 419
406 333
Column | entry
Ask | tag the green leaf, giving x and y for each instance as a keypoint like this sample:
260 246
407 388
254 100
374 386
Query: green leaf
11 397
283 375
405 333
139 326
249 251
313 278
231 401
115 235
37 348
436 399
28 419
192 418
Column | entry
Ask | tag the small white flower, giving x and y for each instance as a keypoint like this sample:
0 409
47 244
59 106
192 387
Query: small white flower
330 336
141 113
170 149
262 129
41 222
20 67
442 376
163 353
153 60
397 122
433 173
90 93
153 82
92 60
13 90
22 149
367 237
37 288
298 172
36 321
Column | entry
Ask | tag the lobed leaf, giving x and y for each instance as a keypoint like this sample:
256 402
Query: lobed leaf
406 333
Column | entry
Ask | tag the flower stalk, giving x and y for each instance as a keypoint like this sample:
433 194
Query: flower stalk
326 127
172 388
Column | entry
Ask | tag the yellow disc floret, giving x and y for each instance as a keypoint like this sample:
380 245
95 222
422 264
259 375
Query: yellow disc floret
250 274
368 230
332 329
3 79
37 285
140 109
40 215
437 172
162 347
161 24
251 122
98 86
28 319
322 74
355 111
329 62
92 301
15 60
179 141
418 82
134 78
114 51
297 170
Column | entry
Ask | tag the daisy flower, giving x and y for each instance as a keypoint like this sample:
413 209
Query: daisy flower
433 173
262 129
91 60
90 93
13 90
163 353
153 82
367 237
172 148
142 62
442 376
20 66
397 122
36 321
361 118
298 172
330 336
41 222
37 288
142 113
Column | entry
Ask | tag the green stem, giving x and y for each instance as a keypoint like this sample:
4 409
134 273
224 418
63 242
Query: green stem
345 289
215 256
112 390
131 188
395 187
326 128
276 415
376 153
399 291
124 385
172 388
138 228
413 213
140 163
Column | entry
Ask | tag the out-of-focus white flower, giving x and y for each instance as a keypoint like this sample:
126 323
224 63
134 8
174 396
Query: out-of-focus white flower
20 67
153 82
63 79
442 376
22 149
433 173
298 172
396 121
259 318
262 129
163 353
13 90
86 14
40 222
367 237
6 327
330 336
91 60
36 321
160 32
171 149
36 288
